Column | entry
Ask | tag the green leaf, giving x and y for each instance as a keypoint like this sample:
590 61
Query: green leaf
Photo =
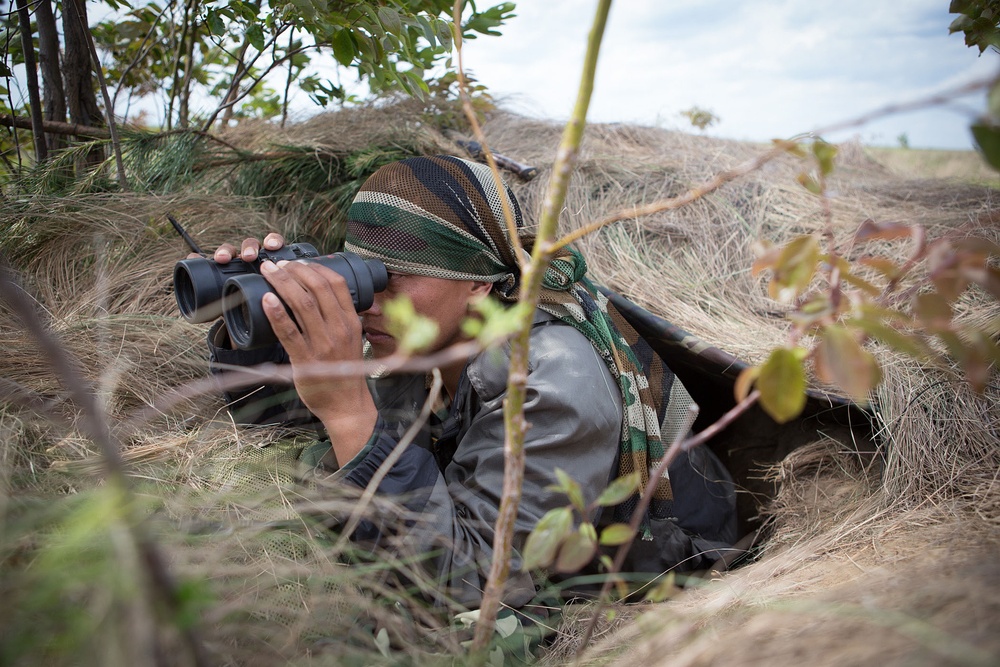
840 360
902 342
825 154
745 380
484 22
616 534
813 311
809 183
782 385
578 550
389 18
543 542
245 10
860 283
344 48
255 35
383 643
794 268
215 23
790 147
619 490
412 331
572 490
664 590
987 138
428 31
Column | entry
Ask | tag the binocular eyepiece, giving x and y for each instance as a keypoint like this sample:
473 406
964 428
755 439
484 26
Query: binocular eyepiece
204 289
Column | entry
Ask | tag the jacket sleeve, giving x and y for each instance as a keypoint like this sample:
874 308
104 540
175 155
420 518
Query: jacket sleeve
267 404
573 407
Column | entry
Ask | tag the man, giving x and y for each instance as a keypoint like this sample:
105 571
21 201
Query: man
597 397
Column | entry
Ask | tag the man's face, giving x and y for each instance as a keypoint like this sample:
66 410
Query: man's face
444 301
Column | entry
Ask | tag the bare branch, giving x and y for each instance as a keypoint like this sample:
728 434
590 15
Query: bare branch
688 197
242 376
56 127
680 443
477 130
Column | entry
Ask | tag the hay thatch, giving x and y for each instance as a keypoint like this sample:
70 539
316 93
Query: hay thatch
855 547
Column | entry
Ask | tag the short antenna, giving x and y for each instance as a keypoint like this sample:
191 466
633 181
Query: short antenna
184 235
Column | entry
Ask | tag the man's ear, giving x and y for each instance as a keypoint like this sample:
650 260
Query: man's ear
480 289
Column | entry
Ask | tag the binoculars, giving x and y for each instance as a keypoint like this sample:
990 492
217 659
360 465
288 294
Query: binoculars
204 289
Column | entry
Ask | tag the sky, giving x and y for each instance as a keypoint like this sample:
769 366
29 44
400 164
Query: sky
766 68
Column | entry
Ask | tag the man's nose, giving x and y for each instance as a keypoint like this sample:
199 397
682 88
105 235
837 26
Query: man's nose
376 307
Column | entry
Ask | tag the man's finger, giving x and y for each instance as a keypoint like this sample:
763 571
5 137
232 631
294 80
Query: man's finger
334 305
301 298
319 301
284 327
224 253
249 249
273 241
335 283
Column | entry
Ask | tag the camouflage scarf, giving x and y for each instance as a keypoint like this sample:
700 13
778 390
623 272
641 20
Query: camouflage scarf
442 216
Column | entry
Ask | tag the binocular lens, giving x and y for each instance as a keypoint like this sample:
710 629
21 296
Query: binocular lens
198 288
198 281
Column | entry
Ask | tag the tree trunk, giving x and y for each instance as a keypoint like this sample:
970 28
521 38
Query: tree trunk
189 66
48 61
79 75
34 98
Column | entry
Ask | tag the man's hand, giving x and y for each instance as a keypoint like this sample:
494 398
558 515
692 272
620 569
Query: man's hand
248 249
326 330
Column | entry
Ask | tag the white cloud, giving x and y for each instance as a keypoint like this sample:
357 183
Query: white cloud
769 68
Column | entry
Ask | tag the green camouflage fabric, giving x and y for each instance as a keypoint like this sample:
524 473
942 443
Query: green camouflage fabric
443 217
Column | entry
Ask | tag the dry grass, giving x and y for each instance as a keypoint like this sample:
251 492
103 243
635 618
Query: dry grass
860 568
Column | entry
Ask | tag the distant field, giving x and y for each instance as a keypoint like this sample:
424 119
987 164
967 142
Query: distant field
964 166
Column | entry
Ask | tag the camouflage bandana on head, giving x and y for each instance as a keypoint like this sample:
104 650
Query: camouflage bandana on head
442 217
435 216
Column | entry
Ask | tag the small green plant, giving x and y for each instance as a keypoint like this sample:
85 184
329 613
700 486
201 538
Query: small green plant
843 295
555 543
904 140
700 118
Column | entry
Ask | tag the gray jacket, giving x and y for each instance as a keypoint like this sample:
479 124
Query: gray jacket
452 473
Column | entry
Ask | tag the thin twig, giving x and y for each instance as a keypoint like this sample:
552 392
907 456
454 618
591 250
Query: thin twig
748 167
242 376
680 444
672 203
477 130
515 425
637 515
